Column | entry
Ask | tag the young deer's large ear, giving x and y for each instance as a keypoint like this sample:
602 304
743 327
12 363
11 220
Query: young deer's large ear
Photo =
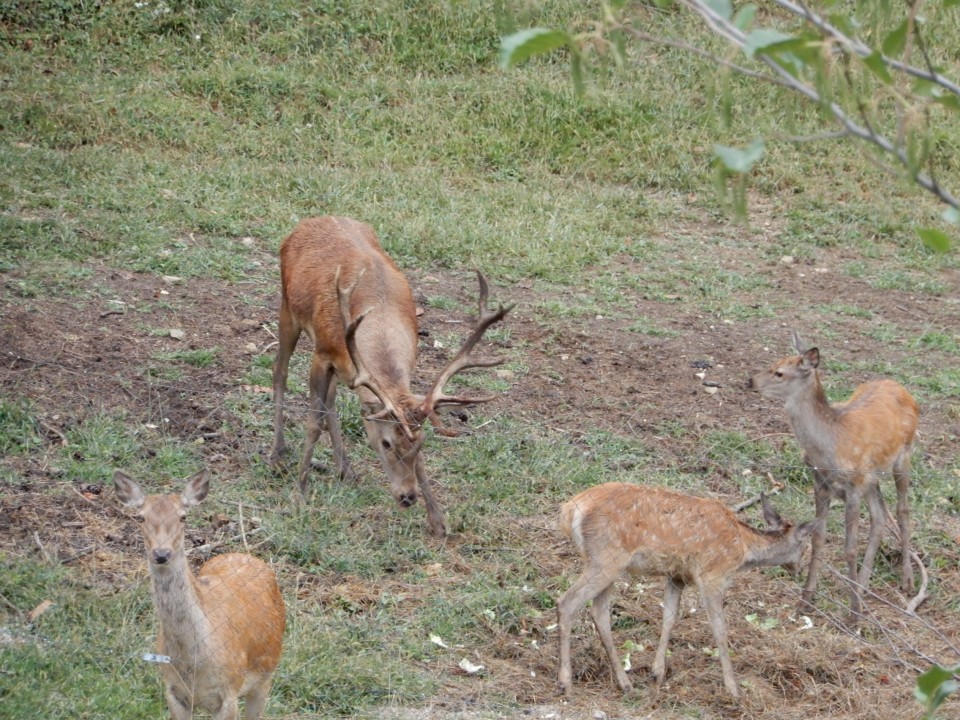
798 344
810 359
805 531
128 492
196 489
770 516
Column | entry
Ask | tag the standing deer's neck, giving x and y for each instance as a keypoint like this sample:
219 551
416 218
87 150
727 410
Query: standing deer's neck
178 608
814 423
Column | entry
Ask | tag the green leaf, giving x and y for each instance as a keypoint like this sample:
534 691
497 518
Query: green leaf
519 46
736 160
951 3
874 61
949 100
743 18
723 8
894 43
934 686
938 241
952 215
762 38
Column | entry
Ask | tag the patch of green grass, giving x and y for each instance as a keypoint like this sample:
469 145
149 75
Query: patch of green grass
646 326
84 650
200 358
18 427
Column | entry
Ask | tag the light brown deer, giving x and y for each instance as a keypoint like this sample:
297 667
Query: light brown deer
341 288
619 527
848 446
222 630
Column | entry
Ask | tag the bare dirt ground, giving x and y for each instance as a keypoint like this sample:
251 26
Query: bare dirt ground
75 360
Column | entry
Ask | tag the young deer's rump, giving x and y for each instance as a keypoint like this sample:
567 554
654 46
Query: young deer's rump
223 628
848 446
644 531
341 288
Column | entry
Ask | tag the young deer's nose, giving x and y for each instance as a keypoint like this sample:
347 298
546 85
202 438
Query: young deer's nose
160 557
407 500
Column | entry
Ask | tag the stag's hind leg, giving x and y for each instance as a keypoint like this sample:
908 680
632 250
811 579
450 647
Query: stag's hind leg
289 334
322 387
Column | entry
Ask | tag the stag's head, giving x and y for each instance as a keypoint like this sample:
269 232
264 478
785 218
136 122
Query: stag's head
394 418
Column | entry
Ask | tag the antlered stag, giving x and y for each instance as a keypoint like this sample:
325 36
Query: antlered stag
848 446
221 632
341 288
619 527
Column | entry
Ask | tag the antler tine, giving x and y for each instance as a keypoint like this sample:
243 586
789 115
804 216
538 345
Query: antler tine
462 360
362 377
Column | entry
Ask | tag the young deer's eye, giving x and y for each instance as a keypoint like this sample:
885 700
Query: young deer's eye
386 444
779 373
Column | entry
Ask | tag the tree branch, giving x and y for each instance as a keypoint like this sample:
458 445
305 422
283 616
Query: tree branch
725 29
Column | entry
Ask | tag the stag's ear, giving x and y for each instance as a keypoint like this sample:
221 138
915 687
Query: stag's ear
128 492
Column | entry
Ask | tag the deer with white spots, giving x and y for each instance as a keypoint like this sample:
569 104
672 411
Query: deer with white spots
644 531
221 631
848 446
344 291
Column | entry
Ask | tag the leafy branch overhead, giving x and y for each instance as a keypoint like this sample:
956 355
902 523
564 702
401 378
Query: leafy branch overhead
877 79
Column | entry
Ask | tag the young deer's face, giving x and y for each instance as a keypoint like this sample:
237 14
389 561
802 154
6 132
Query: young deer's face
786 376
161 517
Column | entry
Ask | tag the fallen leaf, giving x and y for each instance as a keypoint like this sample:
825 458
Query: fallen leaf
469 668
39 610
256 389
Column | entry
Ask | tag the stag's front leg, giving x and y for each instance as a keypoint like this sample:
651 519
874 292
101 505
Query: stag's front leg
438 525
336 434
318 417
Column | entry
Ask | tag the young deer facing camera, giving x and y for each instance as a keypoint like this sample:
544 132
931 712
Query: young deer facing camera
848 445
341 288
222 629
618 527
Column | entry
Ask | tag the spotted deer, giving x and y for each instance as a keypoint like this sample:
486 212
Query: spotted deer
221 631
848 446
341 288
653 531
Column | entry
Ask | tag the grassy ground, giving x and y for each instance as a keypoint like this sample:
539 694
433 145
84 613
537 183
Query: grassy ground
144 140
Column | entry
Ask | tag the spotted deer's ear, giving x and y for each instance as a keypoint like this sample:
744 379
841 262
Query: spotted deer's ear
128 492
770 516
196 489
